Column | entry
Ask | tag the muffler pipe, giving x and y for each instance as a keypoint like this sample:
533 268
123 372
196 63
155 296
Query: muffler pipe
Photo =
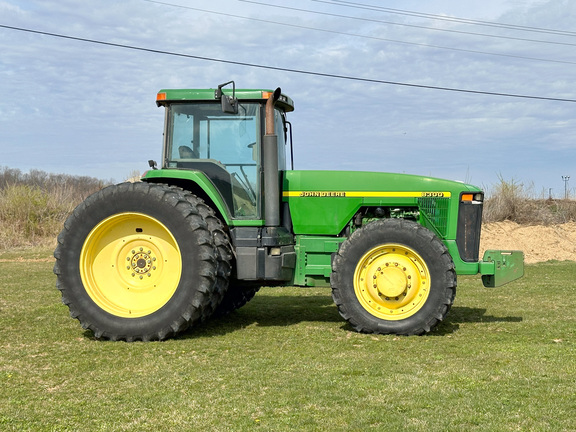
270 166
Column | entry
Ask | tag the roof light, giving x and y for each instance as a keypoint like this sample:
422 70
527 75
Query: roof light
161 96
267 94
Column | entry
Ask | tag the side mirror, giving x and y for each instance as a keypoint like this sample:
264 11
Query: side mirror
229 103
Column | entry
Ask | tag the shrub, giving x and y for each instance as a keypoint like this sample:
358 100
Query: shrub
510 200
34 206
29 215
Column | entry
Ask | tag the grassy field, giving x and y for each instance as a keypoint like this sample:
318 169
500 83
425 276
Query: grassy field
504 360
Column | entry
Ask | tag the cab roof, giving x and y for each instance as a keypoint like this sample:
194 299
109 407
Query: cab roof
166 96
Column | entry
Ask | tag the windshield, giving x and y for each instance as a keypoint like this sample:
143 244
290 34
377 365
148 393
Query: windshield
224 146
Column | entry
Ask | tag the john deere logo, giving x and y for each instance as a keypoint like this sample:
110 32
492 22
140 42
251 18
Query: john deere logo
323 194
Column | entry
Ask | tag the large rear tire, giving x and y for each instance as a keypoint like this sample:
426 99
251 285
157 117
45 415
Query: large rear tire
393 277
137 261
224 252
238 294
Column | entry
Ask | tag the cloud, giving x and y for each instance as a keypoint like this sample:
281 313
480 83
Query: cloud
69 106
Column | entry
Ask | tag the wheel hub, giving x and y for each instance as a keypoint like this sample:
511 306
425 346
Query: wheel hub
141 262
391 281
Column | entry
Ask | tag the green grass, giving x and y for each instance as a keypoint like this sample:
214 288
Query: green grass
504 360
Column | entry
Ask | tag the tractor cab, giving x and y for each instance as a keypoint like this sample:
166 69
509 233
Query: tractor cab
220 135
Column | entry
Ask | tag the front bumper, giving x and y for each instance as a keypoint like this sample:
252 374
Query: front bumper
500 267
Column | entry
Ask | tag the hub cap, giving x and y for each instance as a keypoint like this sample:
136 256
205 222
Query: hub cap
392 282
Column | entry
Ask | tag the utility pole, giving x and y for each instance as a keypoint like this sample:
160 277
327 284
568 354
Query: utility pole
565 179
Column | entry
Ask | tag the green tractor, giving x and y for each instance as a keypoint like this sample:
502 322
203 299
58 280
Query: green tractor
224 216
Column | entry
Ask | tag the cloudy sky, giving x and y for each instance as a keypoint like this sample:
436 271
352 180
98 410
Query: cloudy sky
78 107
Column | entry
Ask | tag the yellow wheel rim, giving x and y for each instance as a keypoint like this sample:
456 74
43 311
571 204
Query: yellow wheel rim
392 282
130 265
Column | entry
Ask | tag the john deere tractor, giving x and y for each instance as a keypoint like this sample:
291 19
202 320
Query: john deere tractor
222 216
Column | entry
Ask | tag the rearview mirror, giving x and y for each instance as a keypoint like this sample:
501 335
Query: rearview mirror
229 103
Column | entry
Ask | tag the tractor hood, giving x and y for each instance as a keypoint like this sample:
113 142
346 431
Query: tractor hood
323 202
362 181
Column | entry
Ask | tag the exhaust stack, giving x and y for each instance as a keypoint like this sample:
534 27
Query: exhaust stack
270 166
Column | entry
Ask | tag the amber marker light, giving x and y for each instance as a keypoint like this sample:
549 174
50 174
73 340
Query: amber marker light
161 97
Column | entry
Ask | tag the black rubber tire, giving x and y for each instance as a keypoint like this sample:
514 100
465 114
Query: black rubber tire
192 299
232 294
223 249
238 295
399 232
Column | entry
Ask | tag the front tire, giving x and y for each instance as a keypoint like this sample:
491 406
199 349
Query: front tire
136 261
393 276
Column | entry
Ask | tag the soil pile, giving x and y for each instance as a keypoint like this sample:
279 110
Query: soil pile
539 243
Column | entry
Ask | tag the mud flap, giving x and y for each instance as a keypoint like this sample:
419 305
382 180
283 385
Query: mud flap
500 267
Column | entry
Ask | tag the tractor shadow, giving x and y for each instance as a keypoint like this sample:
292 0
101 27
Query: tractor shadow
271 311
463 314
288 310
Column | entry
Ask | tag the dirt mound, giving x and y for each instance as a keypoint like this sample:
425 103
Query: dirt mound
539 243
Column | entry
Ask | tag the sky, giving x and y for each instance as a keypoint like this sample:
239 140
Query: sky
83 108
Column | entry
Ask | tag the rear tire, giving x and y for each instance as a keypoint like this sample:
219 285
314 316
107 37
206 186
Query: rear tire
238 294
224 253
393 276
137 261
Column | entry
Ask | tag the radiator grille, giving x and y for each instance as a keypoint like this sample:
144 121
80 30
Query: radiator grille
435 213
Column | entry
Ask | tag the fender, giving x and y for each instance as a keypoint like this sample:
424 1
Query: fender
183 177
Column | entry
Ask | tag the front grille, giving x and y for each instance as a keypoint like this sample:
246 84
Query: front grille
468 232
435 212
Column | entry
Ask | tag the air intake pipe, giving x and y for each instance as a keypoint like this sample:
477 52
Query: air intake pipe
270 166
